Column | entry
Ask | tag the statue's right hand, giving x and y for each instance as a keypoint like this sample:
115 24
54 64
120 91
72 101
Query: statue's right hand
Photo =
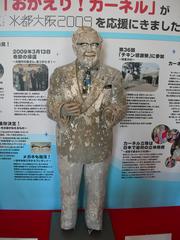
71 109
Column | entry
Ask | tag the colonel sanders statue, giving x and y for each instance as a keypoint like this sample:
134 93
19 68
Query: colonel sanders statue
86 99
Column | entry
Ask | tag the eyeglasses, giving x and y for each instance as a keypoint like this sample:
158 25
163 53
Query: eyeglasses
86 45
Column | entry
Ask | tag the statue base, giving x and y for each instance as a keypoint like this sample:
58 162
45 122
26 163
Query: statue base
81 231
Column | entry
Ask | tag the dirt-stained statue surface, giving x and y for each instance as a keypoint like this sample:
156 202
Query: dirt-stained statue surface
86 99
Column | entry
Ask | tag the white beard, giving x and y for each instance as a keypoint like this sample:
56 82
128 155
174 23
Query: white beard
89 62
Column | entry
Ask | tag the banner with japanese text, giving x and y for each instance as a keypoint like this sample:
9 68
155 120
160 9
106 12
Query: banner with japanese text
141 39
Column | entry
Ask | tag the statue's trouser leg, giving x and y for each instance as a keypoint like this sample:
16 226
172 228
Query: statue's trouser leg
95 179
70 182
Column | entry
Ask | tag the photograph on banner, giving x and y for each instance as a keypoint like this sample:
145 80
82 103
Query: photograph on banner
1 70
30 77
41 147
140 76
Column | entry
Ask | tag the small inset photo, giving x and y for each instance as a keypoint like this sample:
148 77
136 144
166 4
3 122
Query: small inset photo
172 135
140 76
1 70
170 162
41 147
30 77
175 147
159 134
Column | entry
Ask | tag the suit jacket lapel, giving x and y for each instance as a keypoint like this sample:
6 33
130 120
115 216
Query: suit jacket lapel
76 90
97 88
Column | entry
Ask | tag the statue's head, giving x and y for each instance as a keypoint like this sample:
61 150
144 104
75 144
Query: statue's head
87 46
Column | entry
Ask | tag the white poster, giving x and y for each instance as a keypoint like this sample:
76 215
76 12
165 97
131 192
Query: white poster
141 39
